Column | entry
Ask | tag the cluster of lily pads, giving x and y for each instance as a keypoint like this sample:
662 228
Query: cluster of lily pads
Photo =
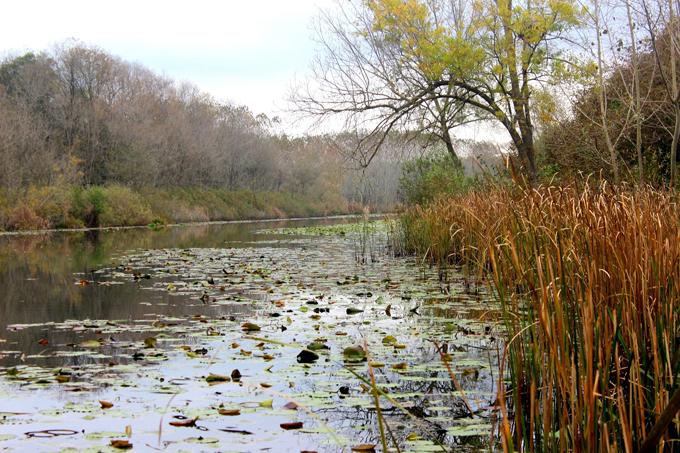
282 346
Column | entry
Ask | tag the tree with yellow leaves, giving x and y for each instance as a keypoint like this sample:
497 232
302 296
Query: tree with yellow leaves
431 65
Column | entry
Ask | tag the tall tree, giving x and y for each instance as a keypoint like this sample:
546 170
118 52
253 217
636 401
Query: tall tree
384 62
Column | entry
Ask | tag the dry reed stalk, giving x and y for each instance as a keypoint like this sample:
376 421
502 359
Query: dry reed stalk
589 278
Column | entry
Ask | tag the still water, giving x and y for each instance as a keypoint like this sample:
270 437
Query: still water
190 339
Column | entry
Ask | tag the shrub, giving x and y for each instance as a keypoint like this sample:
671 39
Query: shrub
425 178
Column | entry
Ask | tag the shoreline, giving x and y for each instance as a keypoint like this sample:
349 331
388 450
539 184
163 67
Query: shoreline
187 224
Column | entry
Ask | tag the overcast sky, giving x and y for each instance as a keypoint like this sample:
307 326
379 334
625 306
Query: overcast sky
244 51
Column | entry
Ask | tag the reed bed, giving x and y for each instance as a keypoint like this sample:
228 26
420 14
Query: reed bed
589 278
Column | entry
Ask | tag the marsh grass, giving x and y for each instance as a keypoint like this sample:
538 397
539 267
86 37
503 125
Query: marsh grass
588 277
76 207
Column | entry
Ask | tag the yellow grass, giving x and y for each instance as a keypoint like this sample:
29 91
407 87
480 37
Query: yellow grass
589 280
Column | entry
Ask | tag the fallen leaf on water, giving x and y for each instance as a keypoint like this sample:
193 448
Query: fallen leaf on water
121 444
317 346
266 403
291 425
185 423
264 385
364 448
354 354
250 327
91 344
307 356
237 431
290 406
217 378
400 366
105 404
230 412
43 342
389 340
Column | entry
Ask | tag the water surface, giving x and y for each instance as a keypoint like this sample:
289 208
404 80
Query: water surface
145 319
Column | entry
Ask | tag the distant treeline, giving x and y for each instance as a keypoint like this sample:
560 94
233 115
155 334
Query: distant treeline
78 116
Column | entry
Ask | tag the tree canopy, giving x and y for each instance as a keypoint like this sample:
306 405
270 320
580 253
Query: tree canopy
433 65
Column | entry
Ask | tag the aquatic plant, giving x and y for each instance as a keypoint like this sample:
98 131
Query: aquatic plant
589 278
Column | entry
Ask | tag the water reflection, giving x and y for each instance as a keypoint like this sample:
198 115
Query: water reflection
42 276
39 275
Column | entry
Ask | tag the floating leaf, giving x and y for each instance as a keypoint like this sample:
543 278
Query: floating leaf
121 444
230 412
105 404
291 425
364 448
185 423
317 346
354 354
250 327
307 356
266 403
389 340
217 378
91 344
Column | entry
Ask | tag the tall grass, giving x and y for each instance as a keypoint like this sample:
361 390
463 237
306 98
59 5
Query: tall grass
589 279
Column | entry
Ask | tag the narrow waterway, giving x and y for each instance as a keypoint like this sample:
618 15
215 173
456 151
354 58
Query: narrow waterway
191 339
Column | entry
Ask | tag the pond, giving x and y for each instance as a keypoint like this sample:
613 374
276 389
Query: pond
240 337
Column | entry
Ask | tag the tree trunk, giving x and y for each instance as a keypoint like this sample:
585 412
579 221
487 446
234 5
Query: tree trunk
674 91
674 146
524 143
446 137
636 94
528 159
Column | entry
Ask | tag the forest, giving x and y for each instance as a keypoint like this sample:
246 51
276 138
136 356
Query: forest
84 132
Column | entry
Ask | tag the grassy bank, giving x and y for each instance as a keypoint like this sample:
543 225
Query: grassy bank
589 280
77 207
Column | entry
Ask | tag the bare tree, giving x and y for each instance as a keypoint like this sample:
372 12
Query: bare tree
664 32
388 64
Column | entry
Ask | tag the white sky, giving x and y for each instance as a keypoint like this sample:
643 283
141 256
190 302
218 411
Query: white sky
248 52
244 51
